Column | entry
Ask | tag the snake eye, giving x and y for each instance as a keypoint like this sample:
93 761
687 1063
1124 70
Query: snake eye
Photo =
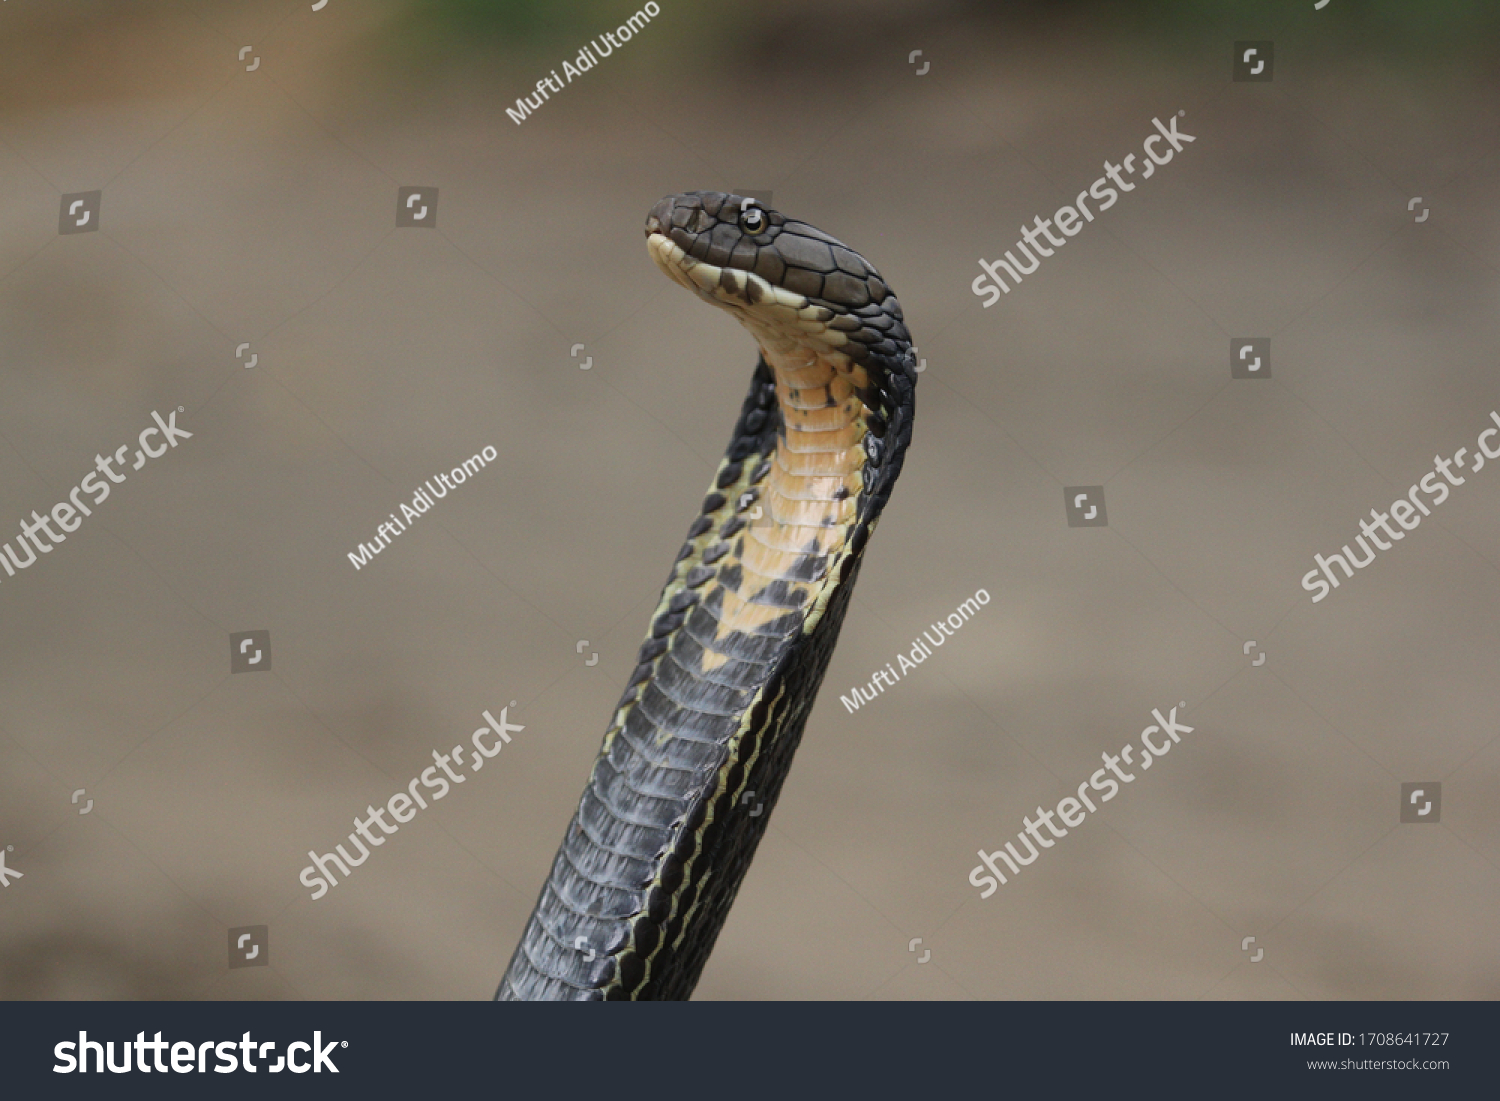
753 220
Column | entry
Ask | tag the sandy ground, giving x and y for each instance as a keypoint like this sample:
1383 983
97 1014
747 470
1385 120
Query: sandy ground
259 206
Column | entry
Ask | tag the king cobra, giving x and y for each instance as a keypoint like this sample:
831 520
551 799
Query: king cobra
702 740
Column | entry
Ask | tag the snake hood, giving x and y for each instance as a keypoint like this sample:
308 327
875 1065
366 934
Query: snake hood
700 743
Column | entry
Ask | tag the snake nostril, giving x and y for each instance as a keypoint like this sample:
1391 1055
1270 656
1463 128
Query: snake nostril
660 218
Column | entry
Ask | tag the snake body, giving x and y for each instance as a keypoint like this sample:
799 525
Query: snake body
701 741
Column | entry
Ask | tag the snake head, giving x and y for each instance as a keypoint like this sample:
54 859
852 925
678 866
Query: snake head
787 282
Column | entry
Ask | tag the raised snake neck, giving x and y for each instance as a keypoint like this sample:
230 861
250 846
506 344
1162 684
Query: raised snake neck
701 742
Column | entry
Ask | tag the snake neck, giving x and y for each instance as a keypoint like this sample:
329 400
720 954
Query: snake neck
815 481
809 501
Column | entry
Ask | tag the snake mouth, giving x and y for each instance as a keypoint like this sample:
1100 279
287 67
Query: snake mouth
777 318
722 285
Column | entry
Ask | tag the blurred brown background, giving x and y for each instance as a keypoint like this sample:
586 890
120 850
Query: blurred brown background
259 206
